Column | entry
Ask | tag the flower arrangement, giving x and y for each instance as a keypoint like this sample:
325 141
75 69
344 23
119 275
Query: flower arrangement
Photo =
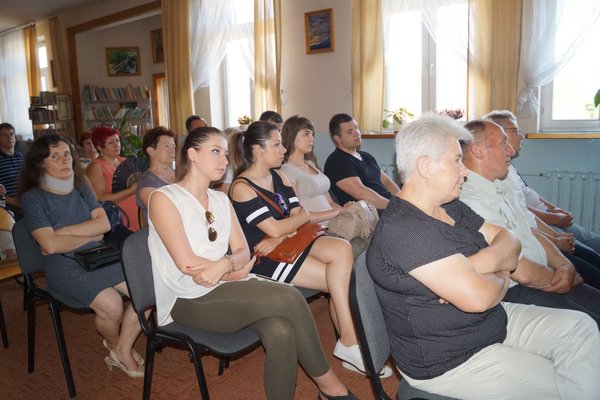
457 113
244 120
397 116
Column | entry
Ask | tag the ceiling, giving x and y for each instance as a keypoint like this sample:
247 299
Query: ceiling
18 12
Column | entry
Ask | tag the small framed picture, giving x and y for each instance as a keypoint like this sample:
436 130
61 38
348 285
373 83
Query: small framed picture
63 106
318 27
123 61
158 55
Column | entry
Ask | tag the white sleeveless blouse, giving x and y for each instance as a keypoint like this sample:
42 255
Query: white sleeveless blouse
169 282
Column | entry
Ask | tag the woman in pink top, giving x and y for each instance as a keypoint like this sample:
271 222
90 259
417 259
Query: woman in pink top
100 173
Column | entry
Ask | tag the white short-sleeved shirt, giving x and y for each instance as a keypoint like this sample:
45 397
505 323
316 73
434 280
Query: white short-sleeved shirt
169 282
497 204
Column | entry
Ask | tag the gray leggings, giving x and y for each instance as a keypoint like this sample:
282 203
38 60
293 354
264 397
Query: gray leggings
280 317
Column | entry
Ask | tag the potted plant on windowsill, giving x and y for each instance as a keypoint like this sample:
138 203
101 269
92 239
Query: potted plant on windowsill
244 121
397 117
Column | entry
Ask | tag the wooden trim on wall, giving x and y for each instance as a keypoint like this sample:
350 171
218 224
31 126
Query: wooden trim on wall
89 25
563 136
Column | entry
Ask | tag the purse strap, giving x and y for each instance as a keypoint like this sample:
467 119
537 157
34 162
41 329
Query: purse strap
242 179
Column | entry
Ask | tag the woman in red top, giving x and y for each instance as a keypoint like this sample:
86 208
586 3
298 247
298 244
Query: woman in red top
100 173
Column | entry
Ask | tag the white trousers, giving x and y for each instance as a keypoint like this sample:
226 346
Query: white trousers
548 354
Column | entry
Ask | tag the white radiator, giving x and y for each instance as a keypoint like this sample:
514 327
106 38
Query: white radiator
577 192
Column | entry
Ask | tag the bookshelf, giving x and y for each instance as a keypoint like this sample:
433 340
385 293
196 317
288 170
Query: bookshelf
128 105
50 112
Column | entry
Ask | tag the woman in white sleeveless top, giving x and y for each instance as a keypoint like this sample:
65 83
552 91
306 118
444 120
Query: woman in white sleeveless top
201 284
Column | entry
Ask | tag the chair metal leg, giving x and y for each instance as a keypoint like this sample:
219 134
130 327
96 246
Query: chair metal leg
3 328
223 364
151 346
30 335
200 373
62 347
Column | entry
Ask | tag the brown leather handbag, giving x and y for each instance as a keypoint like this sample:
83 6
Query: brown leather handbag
296 242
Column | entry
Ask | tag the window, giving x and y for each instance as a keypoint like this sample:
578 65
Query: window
568 101
422 73
43 64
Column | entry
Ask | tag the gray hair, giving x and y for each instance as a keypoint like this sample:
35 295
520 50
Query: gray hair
426 136
498 116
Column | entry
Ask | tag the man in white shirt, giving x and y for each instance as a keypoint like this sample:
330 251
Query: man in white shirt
561 220
543 276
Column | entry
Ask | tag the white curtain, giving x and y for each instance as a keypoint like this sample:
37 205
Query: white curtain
552 32
445 20
217 25
14 91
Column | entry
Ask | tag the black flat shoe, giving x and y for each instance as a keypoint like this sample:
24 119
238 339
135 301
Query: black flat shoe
349 396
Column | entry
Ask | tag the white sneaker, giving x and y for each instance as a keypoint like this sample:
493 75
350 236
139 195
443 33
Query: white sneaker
352 359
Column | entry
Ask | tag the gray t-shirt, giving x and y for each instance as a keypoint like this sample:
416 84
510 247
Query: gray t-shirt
44 209
148 179
428 338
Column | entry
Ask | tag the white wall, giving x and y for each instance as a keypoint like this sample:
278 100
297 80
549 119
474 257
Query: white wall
91 57
316 86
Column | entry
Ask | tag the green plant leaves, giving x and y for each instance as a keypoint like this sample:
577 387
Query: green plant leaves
597 98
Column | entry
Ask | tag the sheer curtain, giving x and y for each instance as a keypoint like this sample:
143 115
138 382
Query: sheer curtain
549 41
14 91
216 25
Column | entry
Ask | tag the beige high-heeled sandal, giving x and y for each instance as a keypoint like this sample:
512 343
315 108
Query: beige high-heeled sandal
136 356
112 362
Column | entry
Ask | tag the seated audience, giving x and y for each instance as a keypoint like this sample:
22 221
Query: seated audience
561 220
11 163
273 117
193 122
354 173
88 152
325 265
159 145
311 185
441 272
101 171
201 265
544 277
63 216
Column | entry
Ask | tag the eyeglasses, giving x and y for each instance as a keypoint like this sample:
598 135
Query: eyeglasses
212 232
56 157
515 131
284 207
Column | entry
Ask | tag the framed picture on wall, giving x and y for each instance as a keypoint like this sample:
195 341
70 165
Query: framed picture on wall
123 61
158 55
318 27
63 106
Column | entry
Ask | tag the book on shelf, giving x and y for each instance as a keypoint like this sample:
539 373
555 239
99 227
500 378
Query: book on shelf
128 92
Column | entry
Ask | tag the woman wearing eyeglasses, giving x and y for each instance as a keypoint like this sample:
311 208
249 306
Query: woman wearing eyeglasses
201 265
63 216
325 265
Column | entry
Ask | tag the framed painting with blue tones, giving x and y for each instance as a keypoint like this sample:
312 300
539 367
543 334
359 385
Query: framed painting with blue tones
318 26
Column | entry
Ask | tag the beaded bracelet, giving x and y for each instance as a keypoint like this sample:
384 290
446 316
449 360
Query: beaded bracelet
232 262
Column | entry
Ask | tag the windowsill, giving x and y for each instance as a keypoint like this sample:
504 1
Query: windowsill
377 135
591 135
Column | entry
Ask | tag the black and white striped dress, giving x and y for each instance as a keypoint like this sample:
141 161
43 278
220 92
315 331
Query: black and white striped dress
251 213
